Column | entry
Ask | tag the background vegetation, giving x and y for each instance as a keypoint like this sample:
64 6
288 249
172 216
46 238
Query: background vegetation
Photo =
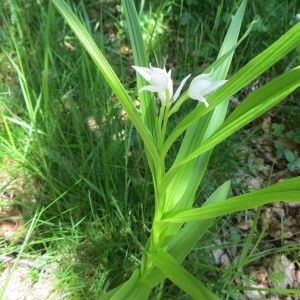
73 165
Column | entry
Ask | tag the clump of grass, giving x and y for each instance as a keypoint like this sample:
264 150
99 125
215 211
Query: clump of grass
62 125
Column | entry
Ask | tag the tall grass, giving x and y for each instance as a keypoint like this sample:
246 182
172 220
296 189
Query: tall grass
61 125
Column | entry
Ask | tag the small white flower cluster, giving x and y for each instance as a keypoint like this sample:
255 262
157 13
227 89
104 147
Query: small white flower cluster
161 83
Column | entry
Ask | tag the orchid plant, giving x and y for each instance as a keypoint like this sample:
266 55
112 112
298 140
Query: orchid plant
177 226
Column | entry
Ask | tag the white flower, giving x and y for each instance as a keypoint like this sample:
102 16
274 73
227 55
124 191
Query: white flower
160 82
203 85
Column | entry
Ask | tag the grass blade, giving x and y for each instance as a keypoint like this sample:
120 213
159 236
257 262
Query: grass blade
110 76
147 103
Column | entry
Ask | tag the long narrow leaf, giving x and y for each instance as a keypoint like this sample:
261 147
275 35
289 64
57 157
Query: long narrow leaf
188 283
140 290
184 241
287 191
134 288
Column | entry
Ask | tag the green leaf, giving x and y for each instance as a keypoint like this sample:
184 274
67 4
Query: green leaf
181 191
255 105
289 155
183 242
179 276
294 135
278 129
251 71
230 41
286 191
134 288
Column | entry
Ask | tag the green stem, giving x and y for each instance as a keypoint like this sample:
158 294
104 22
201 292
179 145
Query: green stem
178 103
154 245
164 125
160 120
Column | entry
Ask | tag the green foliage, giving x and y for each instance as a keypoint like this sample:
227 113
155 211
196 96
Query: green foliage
292 137
101 184
165 202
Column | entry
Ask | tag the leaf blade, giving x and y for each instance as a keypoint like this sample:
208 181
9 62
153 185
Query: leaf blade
287 191
188 283
272 93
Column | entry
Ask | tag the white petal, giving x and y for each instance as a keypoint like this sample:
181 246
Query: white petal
144 72
177 93
151 88
199 86
162 97
162 94
202 99
213 86
202 76
157 69
159 79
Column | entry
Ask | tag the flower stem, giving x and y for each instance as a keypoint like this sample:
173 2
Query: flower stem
178 103
164 125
